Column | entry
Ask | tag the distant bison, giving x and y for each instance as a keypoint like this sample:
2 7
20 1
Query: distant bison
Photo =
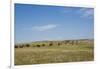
38 45
27 45
16 46
59 44
50 44
43 44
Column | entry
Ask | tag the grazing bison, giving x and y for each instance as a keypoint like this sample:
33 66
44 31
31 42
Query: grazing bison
38 45
59 44
27 45
50 44
43 44
16 46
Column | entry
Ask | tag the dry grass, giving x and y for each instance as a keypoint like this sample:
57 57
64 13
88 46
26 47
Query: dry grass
54 54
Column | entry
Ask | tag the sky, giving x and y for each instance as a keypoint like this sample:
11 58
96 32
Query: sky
45 22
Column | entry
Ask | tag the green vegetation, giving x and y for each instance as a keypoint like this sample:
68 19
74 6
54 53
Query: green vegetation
42 52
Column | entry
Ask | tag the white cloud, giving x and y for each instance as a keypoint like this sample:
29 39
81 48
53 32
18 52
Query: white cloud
84 12
44 27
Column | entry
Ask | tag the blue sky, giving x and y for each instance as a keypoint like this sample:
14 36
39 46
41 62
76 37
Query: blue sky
43 22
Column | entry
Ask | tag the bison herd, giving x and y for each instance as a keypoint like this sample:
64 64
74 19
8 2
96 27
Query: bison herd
72 42
28 45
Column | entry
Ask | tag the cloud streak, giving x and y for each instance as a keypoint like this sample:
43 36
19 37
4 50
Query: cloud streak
88 13
44 27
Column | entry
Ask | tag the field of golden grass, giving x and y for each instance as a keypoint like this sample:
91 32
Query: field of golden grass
54 54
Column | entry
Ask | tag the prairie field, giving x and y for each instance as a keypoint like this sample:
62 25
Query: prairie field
42 52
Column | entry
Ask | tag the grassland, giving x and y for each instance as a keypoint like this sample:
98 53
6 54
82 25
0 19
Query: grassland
42 52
